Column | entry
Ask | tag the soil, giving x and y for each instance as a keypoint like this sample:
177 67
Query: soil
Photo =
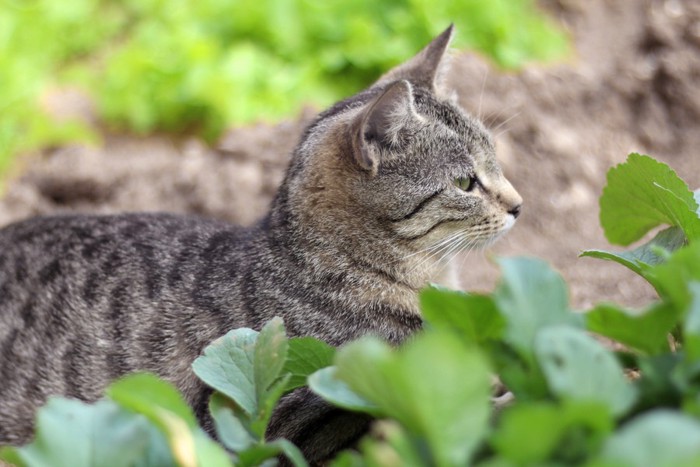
632 87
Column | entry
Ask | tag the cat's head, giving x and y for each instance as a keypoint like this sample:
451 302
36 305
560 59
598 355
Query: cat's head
399 175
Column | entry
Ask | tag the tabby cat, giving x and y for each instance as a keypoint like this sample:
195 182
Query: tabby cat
381 189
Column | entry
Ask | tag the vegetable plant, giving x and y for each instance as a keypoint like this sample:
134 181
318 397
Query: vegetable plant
199 66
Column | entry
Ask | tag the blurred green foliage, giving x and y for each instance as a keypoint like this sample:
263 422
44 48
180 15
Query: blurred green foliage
200 65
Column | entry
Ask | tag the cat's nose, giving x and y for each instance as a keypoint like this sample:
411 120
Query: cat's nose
515 211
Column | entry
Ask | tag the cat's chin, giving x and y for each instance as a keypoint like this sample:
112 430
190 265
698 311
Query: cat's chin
508 224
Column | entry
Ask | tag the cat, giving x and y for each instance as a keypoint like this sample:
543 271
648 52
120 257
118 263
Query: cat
382 187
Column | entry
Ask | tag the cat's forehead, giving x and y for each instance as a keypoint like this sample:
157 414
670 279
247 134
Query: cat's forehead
460 139
466 127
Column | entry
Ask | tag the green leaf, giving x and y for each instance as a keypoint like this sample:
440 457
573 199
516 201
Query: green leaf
269 356
259 453
393 447
325 383
11 456
449 409
646 331
641 258
147 394
163 405
227 366
657 386
691 325
229 429
641 194
290 451
71 433
246 366
268 360
661 438
672 278
578 368
531 296
348 459
522 376
474 317
305 356
529 432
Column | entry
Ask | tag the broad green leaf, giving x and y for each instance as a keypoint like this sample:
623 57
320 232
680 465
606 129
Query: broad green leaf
290 451
578 368
227 366
588 425
691 325
646 331
305 356
267 406
449 409
531 296
145 393
11 456
529 432
641 258
163 405
474 317
268 360
235 436
392 446
348 459
269 356
659 438
641 194
259 453
656 385
521 375
672 278
325 383
245 366
229 429
71 433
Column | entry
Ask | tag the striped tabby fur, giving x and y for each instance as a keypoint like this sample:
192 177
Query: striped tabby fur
381 190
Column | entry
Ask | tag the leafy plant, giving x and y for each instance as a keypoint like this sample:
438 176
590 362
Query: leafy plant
577 402
186 65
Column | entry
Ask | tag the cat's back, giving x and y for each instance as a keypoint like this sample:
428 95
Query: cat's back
86 299
81 256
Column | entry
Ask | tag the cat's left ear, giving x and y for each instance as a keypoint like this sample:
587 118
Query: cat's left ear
380 125
427 67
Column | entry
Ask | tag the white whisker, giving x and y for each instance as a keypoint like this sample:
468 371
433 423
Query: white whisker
481 95
431 247
506 121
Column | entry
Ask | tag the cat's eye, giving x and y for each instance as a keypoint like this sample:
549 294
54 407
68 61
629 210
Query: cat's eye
465 183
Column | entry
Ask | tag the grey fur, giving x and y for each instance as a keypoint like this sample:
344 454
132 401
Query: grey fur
352 235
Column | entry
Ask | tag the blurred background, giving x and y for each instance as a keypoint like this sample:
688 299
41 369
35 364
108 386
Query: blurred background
194 105
200 66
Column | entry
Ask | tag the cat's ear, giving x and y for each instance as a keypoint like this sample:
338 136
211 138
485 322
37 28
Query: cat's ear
380 124
426 68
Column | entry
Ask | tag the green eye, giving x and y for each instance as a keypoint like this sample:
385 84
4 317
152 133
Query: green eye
465 183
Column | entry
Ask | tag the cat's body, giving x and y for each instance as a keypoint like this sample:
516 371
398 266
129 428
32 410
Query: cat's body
380 186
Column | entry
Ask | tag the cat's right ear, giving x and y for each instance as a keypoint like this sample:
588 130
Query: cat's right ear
381 123
428 67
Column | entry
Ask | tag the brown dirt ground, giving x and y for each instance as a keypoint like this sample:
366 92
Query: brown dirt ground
633 86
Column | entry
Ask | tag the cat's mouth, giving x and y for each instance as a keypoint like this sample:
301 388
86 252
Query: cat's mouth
483 237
